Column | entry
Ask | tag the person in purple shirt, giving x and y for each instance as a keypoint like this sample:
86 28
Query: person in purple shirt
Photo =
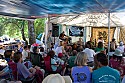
23 71
81 73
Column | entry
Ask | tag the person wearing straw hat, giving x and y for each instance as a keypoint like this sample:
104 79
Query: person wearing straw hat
57 78
117 62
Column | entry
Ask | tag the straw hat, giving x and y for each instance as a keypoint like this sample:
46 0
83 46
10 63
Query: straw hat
46 79
54 78
67 79
118 52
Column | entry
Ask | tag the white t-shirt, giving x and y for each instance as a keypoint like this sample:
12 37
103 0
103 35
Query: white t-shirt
101 41
90 54
2 51
121 48
58 50
24 54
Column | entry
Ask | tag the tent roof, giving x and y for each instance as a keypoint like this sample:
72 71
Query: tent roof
93 19
40 8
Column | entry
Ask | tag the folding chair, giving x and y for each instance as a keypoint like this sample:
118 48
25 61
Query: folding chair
35 59
47 62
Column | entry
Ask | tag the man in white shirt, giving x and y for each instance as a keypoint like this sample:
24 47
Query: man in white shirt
2 50
25 53
121 46
90 53
101 40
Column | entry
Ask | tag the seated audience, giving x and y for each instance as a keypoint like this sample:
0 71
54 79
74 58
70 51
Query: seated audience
36 58
56 63
24 72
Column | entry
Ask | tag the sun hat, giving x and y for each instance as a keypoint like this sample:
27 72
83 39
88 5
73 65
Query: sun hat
56 78
67 79
118 52
46 78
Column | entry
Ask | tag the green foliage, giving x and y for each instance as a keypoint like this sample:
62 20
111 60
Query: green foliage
39 26
12 27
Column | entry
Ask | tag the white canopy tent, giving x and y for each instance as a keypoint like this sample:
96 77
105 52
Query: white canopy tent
93 19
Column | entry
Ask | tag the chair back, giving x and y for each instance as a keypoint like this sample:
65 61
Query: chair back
13 66
35 59
47 62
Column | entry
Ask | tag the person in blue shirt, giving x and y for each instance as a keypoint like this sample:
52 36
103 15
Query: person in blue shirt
104 73
81 73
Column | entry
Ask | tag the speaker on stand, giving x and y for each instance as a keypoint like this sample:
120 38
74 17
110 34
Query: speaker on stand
55 31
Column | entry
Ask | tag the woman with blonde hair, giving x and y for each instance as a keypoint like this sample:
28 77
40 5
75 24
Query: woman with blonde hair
81 73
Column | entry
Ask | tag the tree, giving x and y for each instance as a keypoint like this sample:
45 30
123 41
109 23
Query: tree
39 25
19 28
31 31
13 27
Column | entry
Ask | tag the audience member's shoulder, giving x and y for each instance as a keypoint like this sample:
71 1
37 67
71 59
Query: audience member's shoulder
114 71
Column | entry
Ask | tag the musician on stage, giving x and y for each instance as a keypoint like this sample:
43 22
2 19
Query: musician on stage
64 37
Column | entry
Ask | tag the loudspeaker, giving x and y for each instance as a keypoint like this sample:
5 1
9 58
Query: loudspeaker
55 30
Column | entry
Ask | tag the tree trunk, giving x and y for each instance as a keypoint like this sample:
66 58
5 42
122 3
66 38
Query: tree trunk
22 32
31 32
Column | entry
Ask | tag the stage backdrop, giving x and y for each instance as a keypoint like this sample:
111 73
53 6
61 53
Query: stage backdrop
122 34
102 32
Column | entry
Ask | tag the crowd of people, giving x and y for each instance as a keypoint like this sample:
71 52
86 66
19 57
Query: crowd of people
83 62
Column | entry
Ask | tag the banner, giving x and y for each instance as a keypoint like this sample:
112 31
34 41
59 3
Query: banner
98 32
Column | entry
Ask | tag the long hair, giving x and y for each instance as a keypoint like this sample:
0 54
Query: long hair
51 53
81 59
100 45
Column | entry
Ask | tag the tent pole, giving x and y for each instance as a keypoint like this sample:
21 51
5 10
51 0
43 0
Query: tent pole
108 35
46 31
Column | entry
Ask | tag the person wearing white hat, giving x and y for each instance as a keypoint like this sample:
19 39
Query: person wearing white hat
117 62
57 78
118 54
121 46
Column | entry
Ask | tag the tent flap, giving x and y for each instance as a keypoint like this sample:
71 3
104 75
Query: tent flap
32 8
